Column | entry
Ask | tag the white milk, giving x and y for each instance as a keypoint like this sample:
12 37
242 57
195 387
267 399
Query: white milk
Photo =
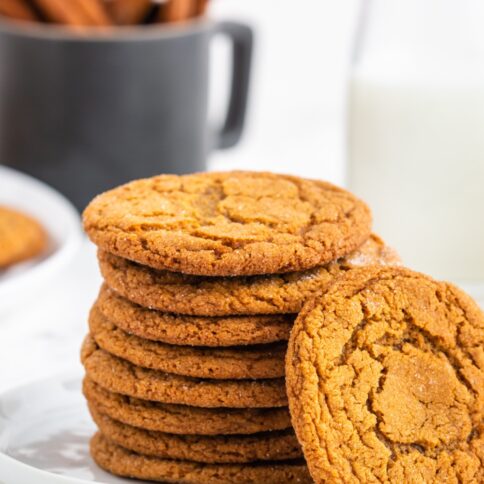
416 155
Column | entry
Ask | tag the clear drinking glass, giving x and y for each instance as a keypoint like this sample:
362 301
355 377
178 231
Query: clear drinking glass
416 132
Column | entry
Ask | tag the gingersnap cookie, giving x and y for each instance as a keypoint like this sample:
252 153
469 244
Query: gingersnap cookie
182 419
21 237
122 462
178 329
221 296
228 224
385 378
212 449
262 361
120 376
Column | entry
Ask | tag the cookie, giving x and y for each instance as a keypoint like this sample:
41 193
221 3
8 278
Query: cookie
21 237
228 224
385 377
182 419
191 330
120 376
122 462
216 296
262 361
212 449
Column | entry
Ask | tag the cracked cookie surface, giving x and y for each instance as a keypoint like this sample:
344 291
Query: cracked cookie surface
228 224
385 379
21 237
177 329
125 463
212 449
248 362
120 376
221 296
183 419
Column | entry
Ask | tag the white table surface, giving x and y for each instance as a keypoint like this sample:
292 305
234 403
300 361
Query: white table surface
43 337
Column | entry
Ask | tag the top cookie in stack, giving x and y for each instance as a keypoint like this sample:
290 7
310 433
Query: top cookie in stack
228 224
203 274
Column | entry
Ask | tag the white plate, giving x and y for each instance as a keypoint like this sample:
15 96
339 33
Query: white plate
45 429
59 218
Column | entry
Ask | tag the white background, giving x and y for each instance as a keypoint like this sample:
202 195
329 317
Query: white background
302 57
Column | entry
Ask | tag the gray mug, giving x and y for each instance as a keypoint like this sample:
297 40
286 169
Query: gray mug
88 112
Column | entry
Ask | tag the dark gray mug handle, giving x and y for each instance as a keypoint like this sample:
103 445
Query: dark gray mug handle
241 37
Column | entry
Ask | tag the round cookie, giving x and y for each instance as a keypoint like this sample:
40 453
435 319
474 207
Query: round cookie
212 449
182 419
177 329
222 296
122 462
228 224
120 376
254 362
385 379
21 237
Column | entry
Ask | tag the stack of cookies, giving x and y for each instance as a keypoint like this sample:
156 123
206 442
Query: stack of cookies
204 275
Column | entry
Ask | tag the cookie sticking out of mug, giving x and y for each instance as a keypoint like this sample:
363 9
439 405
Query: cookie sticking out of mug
385 380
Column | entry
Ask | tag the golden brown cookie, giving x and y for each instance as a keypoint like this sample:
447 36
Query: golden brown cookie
221 296
120 376
385 377
212 449
122 462
228 224
192 330
182 419
260 361
21 237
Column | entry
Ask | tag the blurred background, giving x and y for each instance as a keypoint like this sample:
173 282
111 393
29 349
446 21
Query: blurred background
297 105
383 97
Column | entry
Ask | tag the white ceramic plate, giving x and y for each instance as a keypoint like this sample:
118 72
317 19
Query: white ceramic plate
59 218
45 429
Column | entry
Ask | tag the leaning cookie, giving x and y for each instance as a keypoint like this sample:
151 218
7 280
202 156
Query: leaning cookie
222 296
385 380
122 462
229 223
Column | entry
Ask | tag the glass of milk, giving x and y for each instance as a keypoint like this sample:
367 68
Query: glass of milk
416 131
